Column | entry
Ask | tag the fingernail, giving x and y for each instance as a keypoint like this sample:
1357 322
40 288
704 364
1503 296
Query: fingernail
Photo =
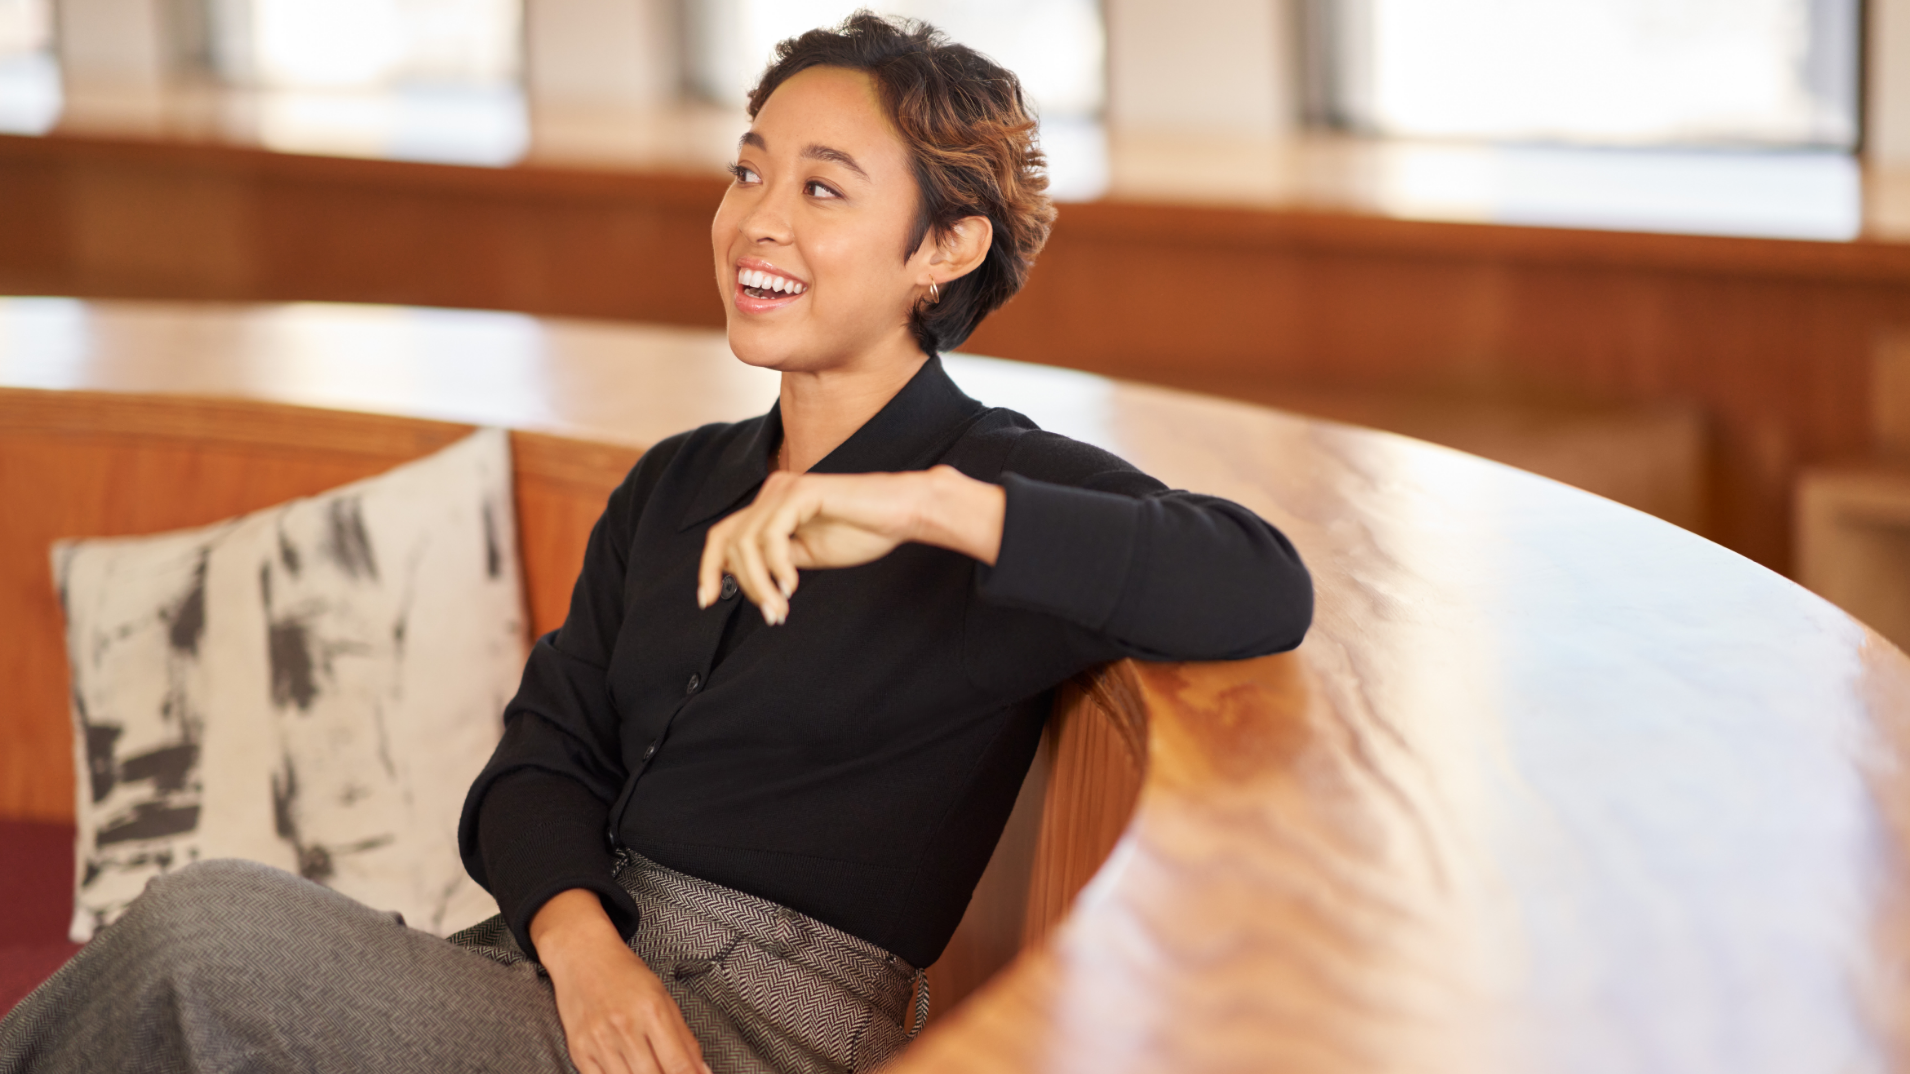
769 617
788 589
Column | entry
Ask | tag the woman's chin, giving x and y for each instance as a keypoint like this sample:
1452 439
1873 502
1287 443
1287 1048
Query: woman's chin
764 348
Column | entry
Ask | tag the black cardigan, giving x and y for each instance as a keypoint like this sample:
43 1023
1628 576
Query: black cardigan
858 762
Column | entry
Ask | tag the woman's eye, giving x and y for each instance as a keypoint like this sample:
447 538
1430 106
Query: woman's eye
815 189
743 173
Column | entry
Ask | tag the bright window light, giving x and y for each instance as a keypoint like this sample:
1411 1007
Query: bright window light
30 97
368 44
25 26
1056 47
1777 73
431 80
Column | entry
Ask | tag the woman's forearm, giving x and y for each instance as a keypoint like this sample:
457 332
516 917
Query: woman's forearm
570 922
961 514
809 521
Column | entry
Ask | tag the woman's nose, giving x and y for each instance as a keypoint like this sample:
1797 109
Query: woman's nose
769 219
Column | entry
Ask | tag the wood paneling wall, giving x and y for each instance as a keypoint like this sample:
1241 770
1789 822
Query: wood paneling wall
1772 339
148 220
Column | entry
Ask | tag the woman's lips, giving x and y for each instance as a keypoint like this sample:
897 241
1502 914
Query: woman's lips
761 286
749 303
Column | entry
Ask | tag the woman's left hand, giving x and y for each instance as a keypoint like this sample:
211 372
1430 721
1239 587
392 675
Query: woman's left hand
807 521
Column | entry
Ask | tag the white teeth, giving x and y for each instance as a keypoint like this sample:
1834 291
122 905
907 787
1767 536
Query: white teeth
765 281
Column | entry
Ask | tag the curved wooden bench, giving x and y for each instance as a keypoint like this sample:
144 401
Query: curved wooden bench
1551 784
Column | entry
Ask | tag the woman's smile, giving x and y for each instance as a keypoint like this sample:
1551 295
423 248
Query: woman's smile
762 287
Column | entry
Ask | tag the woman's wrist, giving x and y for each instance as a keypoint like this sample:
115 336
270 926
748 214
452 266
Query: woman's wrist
962 514
571 921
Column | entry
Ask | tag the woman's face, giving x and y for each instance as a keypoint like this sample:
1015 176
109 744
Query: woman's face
809 239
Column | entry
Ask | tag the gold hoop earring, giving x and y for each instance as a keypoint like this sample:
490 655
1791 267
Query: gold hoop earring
934 293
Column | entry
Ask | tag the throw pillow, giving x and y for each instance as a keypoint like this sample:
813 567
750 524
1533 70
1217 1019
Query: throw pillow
313 686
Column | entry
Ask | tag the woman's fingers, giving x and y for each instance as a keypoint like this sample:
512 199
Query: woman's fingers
743 555
778 535
709 570
671 1053
752 546
799 521
746 563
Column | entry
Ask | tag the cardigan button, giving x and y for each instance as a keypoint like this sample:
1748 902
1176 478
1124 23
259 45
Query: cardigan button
651 752
729 586
696 681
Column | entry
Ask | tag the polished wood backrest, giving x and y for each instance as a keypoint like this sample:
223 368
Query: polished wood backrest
1078 799
104 464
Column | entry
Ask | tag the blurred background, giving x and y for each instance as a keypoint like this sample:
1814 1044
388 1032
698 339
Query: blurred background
1659 249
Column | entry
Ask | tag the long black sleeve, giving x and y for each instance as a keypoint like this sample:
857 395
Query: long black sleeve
535 820
1150 572
540 834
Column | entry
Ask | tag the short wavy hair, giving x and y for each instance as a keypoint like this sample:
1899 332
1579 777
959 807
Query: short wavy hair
971 139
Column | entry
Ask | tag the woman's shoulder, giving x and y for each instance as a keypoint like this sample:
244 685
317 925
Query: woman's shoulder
684 460
701 447
1003 441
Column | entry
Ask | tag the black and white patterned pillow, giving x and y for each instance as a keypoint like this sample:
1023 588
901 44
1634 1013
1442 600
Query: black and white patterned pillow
313 686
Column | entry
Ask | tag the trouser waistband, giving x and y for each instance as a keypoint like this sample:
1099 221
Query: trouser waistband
883 979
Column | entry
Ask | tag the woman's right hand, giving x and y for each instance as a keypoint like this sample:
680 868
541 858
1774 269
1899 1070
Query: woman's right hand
617 1017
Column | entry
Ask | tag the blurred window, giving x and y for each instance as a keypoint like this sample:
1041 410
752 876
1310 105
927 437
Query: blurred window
1771 73
436 80
366 44
1057 48
29 75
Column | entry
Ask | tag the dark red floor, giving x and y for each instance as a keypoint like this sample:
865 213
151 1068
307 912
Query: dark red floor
36 903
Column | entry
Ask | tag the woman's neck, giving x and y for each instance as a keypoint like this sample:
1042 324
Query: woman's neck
822 409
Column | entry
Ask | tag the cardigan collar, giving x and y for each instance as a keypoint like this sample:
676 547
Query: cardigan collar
910 432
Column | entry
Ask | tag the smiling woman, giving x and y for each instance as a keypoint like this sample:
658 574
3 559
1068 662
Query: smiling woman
731 841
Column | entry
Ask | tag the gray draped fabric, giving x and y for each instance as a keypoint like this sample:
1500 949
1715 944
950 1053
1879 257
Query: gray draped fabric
232 965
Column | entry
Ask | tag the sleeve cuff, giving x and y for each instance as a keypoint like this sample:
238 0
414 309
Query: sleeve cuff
539 834
616 902
1065 551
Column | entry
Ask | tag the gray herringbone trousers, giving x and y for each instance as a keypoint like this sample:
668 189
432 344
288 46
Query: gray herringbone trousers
235 966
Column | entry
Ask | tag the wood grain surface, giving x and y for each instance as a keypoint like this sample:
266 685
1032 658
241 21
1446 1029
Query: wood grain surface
1551 785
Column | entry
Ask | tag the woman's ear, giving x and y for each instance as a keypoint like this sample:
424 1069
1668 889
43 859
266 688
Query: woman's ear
960 250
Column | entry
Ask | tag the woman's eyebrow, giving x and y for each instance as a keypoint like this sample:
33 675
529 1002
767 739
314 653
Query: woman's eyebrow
823 152
811 152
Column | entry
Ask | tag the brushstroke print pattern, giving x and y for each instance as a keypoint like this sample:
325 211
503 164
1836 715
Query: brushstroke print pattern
312 686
